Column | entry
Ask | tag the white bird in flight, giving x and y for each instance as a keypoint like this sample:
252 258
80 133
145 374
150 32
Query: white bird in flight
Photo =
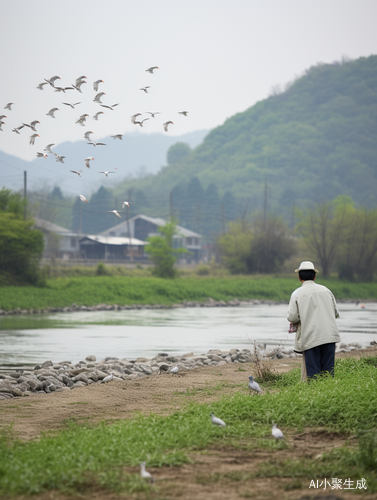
32 125
118 136
133 117
17 129
110 107
277 432
97 115
51 112
82 198
82 120
184 113
145 89
87 134
52 80
40 86
217 421
32 139
153 114
48 148
115 212
62 89
166 124
125 204
87 160
96 83
3 116
59 158
97 98
78 173
136 122
9 106
151 69
145 474
41 155
71 104
1 126
107 173
78 86
95 144
254 386
80 80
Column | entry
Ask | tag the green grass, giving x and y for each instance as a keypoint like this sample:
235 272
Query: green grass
90 291
82 454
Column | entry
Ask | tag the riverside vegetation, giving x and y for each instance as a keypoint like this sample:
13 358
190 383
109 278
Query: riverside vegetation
83 457
146 290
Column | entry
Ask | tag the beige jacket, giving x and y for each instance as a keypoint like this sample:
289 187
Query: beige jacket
314 307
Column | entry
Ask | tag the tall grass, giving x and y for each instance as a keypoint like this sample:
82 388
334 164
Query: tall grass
346 403
89 291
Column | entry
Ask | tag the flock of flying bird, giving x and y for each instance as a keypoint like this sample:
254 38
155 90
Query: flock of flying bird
79 82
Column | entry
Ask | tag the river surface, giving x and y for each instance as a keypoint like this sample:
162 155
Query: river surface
27 340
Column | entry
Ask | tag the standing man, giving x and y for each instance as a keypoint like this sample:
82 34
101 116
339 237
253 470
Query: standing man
312 309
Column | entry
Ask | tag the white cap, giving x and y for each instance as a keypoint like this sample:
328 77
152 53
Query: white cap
306 266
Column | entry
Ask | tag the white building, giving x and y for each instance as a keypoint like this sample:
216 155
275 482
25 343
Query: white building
141 227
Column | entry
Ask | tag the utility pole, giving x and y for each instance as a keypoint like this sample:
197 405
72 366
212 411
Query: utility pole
265 206
25 193
128 224
80 218
171 205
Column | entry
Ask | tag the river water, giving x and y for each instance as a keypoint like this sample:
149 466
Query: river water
27 340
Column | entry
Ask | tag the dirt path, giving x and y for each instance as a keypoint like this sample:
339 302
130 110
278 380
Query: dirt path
164 394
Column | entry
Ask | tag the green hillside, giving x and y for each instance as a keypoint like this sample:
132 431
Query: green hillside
310 143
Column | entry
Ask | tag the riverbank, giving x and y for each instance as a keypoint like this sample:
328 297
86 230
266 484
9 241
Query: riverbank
98 434
135 292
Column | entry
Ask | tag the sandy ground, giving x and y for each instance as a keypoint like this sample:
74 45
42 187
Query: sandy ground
163 394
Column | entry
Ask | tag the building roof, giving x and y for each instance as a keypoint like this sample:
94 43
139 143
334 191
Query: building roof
182 231
45 225
114 240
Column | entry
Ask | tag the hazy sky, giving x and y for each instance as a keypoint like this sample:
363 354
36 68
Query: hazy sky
216 58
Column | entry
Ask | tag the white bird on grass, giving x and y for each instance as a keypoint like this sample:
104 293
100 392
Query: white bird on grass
9 106
145 474
32 139
78 173
276 432
115 212
82 198
51 112
175 369
217 421
96 83
254 386
166 124
87 160
107 173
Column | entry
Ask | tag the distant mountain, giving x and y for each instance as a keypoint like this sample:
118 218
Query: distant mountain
136 155
310 143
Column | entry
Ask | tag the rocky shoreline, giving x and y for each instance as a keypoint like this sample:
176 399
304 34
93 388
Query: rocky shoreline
63 376
115 307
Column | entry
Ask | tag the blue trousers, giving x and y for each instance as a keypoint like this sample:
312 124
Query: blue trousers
320 359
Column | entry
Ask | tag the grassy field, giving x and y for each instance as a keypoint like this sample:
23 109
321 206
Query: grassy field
83 455
122 290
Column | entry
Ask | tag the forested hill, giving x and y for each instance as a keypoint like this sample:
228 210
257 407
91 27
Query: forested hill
312 142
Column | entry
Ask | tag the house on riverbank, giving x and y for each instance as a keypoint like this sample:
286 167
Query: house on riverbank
142 227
